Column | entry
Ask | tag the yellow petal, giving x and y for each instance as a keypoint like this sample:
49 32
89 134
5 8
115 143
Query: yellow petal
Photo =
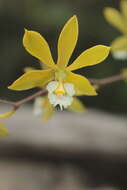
81 84
32 79
37 46
8 114
116 19
91 56
77 105
27 69
3 131
48 110
67 41
123 5
119 43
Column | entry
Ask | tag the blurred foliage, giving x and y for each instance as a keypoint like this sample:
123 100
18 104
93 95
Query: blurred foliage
48 18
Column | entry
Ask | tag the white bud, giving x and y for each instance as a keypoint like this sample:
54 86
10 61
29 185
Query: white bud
120 54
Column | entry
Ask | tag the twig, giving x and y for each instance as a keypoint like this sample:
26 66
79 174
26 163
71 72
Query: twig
29 98
103 82
16 105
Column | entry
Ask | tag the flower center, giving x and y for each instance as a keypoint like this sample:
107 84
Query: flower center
60 89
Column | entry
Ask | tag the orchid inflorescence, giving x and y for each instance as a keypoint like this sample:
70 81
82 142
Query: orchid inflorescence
58 84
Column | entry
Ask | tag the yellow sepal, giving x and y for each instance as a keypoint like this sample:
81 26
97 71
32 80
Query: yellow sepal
119 43
123 5
3 131
116 19
67 41
81 84
8 114
32 79
48 110
37 46
77 106
91 56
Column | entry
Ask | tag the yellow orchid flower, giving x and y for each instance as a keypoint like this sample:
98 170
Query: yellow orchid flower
61 83
119 20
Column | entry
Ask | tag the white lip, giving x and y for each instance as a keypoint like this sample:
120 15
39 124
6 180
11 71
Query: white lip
64 100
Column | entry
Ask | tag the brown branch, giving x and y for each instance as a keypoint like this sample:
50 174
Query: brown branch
97 82
29 98
108 80
17 104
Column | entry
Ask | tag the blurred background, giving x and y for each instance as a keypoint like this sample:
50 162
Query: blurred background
48 17
70 152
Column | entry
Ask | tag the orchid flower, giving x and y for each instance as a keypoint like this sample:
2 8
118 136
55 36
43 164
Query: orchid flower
59 80
119 20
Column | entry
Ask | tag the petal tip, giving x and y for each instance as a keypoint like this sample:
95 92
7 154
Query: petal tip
74 17
106 9
94 93
108 47
10 87
25 35
13 87
104 47
25 30
109 13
